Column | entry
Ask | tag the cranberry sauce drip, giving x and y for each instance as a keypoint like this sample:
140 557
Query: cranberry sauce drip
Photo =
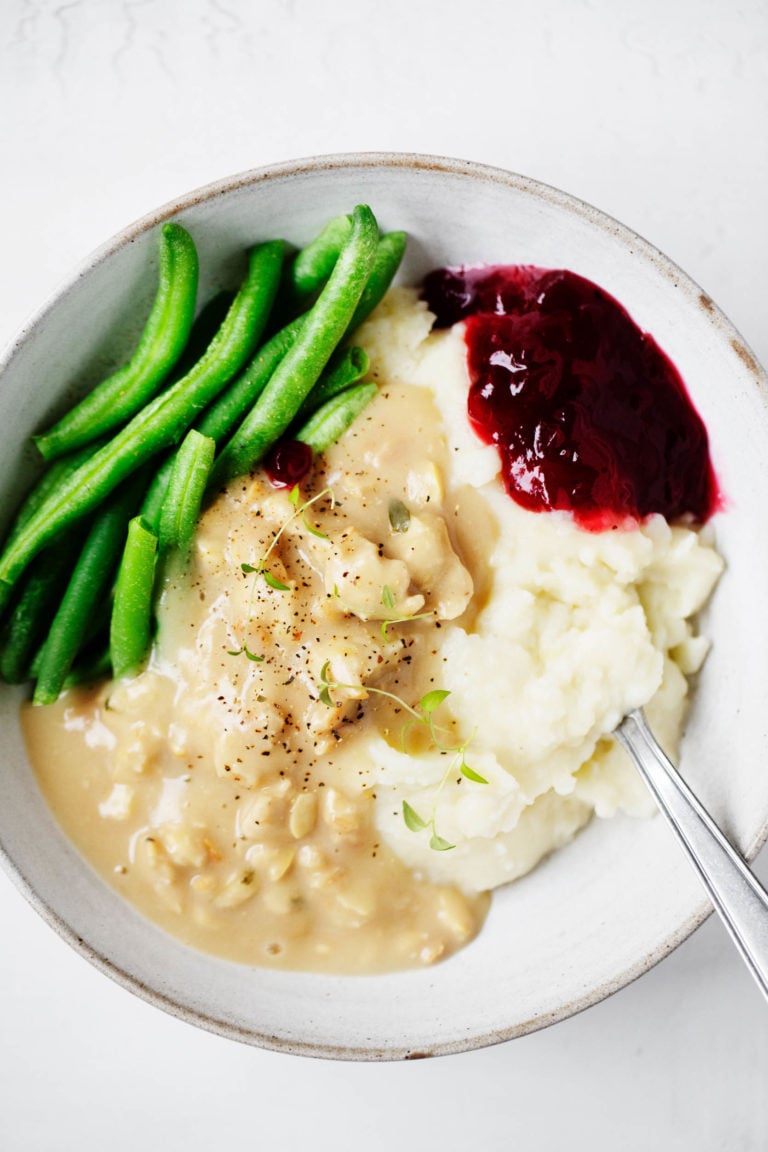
588 414
287 463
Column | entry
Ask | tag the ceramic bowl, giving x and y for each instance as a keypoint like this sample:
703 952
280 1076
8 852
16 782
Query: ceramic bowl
599 912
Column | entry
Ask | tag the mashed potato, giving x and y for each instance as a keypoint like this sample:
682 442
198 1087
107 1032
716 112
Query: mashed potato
269 788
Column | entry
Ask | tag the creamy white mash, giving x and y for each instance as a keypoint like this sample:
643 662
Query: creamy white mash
266 789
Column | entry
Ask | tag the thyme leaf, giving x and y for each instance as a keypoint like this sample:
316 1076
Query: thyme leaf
274 582
244 651
412 819
388 597
294 497
421 713
471 774
385 624
432 700
315 531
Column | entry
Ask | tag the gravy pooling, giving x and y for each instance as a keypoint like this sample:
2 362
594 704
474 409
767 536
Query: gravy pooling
215 790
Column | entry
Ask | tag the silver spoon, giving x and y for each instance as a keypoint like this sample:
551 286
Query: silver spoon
739 898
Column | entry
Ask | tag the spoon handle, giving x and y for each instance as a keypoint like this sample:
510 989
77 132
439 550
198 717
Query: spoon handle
735 892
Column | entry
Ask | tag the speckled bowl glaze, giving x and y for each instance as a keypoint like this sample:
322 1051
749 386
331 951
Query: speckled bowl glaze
599 912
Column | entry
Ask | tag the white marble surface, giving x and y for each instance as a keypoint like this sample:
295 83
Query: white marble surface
654 111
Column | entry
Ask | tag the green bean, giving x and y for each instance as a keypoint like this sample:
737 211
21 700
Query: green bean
95 665
39 492
222 416
36 603
389 255
46 483
206 325
324 325
130 630
94 653
312 266
162 422
118 397
152 507
186 487
88 587
332 420
305 272
343 370
97 632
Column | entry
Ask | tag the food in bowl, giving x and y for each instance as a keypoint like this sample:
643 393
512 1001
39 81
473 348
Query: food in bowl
384 687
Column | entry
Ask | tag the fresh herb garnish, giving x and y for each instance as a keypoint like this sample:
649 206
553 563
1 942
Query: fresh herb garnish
412 818
422 713
273 582
389 601
433 700
471 774
294 498
245 651
438 844
399 516
299 510
388 597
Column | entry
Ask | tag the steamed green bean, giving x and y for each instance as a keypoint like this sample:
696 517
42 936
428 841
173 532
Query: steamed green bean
161 422
89 584
221 390
36 600
345 369
324 326
130 632
331 420
186 487
121 395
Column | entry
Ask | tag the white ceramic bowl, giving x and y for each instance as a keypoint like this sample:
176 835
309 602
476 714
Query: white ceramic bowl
599 912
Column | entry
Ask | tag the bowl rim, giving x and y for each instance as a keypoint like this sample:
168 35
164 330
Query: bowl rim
270 1042
417 161
362 161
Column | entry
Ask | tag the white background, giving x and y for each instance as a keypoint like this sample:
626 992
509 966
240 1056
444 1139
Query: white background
654 111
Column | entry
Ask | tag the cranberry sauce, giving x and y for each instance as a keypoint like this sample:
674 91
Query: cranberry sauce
588 414
287 463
